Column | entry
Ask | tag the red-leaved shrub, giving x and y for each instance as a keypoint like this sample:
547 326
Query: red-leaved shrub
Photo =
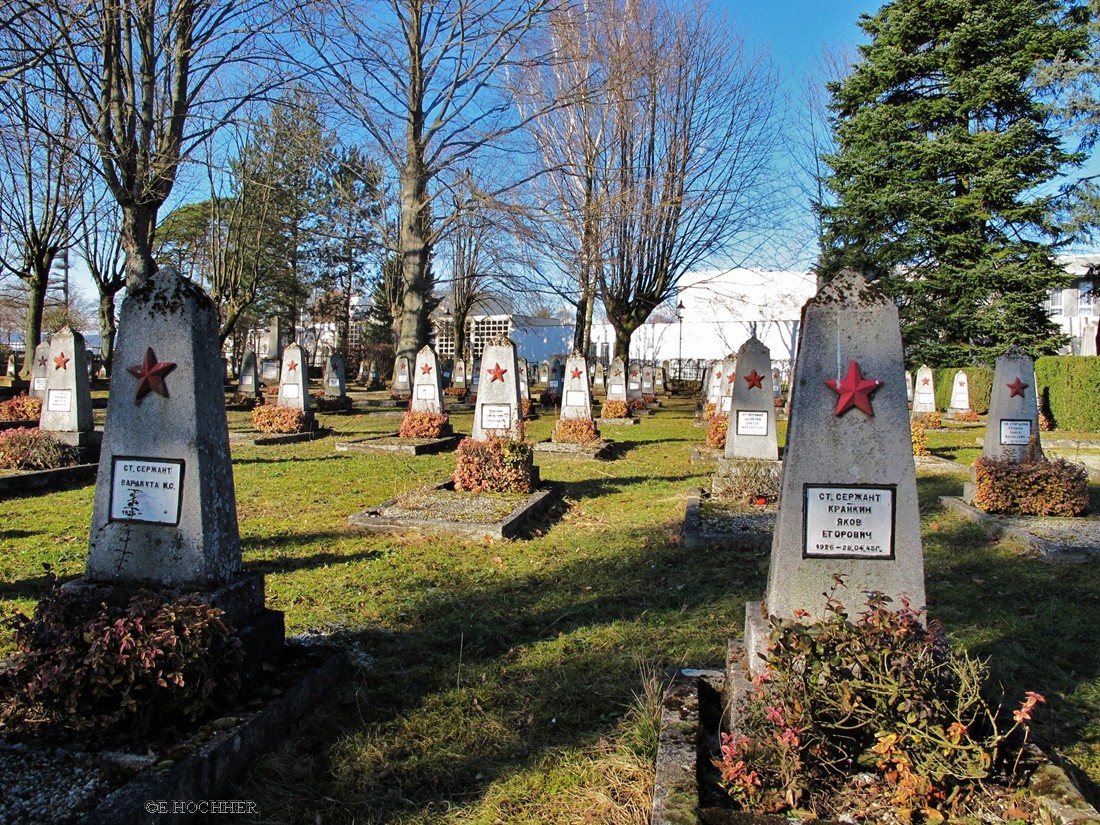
425 425
636 404
26 448
716 433
496 465
272 419
21 408
614 409
575 431
1031 488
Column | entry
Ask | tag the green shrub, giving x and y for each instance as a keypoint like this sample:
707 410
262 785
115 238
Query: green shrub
883 695
716 431
272 419
575 431
614 409
84 663
21 408
1031 488
1069 389
979 381
496 465
425 425
25 448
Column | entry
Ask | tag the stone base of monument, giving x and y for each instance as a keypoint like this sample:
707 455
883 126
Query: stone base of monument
87 442
686 787
440 509
1054 537
709 521
333 404
601 449
35 480
393 443
616 422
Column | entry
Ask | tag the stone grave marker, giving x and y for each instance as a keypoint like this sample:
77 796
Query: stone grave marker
924 397
909 387
498 411
524 389
361 377
554 385
447 372
660 381
576 399
544 374
335 386
1088 338
475 374
848 503
713 384
634 380
647 380
599 382
427 388
1013 409
67 405
751 432
402 379
616 381
294 381
249 382
458 377
165 509
726 383
777 383
960 393
10 370
40 370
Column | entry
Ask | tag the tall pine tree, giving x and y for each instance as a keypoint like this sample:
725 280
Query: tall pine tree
942 143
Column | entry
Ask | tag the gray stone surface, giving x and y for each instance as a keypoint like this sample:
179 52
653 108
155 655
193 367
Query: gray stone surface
165 509
67 406
524 386
909 387
402 377
275 341
616 381
599 380
647 380
751 432
712 384
249 381
840 455
294 380
555 377
728 368
1013 409
427 387
634 380
458 376
334 377
544 373
40 371
924 391
498 411
960 393
576 399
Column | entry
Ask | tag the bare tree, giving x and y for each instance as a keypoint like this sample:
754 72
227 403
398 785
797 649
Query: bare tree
428 82
152 80
687 153
98 241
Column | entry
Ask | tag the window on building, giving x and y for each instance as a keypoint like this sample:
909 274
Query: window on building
1055 306
486 329
1085 297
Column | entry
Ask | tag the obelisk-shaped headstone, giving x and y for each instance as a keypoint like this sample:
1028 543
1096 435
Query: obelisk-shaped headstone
335 384
402 378
634 380
544 374
165 509
848 503
960 393
40 370
554 385
660 383
1013 409
427 388
909 387
713 384
294 380
249 382
576 399
524 388
67 407
647 380
751 432
458 377
726 384
616 381
599 380
475 374
924 391
498 412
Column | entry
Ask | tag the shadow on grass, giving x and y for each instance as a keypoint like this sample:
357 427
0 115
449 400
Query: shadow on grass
289 459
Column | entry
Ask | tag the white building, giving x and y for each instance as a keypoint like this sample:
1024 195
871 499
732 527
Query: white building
1075 308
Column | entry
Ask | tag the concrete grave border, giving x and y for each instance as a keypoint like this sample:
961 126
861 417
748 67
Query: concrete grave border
380 444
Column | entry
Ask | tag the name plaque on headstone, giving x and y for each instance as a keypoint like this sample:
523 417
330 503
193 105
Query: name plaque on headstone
854 522
727 403
425 392
290 391
752 422
633 385
1015 433
62 401
270 370
148 491
39 384
496 416
333 382
246 380
575 398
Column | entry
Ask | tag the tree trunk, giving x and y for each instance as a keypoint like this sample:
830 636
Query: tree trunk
107 329
415 253
460 335
32 331
139 223
623 332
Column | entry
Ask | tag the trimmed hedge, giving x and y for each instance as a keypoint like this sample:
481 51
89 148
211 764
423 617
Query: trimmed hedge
1069 386
979 381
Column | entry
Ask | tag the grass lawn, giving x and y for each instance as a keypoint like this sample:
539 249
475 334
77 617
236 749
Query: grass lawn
518 682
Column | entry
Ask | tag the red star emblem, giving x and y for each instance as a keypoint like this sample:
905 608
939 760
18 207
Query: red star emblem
497 373
924 381
576 373
718 374
1017 388
754 380
733 377
854 390
42 361
293 365
962 383
61 362
150 375
426 369
634 374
